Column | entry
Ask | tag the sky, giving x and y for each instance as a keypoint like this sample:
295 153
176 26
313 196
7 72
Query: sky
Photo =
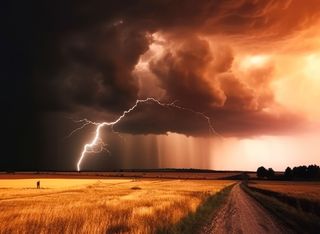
251 66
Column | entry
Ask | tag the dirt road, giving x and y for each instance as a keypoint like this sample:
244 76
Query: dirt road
242 214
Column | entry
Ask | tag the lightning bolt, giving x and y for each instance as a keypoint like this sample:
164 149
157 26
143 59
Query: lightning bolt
86 123
97 145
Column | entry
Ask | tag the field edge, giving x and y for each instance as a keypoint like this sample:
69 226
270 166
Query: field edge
295 219
195 221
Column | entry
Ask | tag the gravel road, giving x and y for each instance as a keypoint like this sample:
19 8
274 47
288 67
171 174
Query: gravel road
243 214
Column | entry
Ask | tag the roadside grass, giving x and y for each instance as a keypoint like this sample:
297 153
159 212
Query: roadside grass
297 200
194 221
294 218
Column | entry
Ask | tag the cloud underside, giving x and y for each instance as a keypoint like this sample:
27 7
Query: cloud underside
87 55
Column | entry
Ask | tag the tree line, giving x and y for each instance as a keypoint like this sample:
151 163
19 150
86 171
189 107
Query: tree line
311 172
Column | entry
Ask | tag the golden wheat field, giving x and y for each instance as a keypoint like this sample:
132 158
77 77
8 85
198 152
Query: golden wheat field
99 205
306 190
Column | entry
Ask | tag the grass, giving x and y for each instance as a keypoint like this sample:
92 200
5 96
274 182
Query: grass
296 219
103 206
194 221
304 190
302 195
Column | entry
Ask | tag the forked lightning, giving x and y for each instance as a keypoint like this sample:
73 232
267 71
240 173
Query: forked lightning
97 145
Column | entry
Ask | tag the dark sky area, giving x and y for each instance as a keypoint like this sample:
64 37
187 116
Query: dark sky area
65 60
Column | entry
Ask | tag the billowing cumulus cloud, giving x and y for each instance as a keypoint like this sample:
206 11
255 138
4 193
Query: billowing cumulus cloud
181 72
202 54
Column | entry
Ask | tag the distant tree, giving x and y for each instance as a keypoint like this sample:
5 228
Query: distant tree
262 172
313 171
288 173
270 173
294 172
300 172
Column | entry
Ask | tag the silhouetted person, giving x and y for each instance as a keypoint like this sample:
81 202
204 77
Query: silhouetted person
38 184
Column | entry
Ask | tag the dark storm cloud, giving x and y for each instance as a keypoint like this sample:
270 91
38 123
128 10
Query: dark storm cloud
181 74
96 69
85 52
236 107
150 117
248 124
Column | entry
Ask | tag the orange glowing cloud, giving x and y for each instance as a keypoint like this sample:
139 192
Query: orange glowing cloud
248 67
245 63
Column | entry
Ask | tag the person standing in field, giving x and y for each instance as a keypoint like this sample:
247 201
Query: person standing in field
38 184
